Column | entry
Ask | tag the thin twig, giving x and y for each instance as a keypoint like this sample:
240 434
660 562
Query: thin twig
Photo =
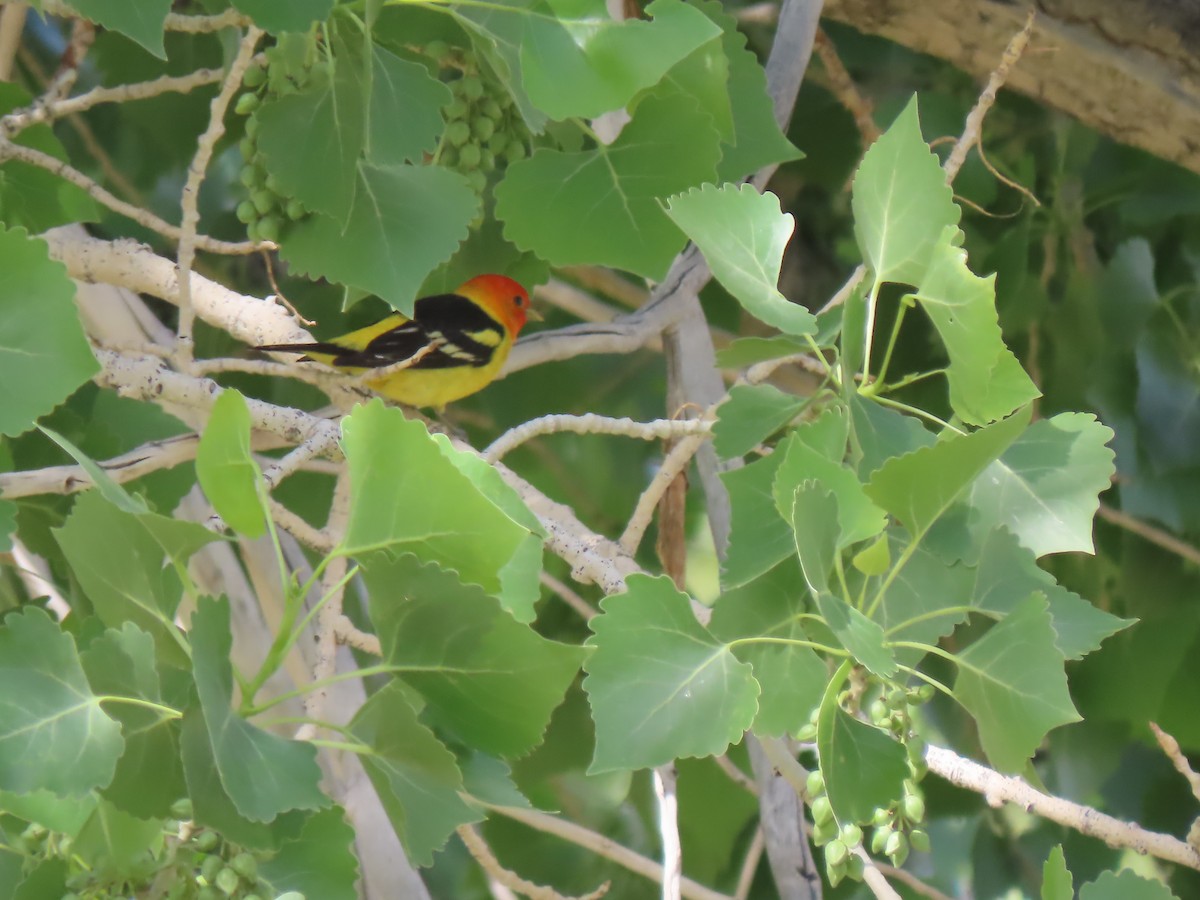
568 596
674 463
351 636
845 90
874 879
602 846
736 775
590 423
9 150
1170 747
973 127
483 855
749 866
190 197
667 798
1150 533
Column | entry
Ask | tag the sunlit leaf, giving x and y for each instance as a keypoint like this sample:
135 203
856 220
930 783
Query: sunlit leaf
660 685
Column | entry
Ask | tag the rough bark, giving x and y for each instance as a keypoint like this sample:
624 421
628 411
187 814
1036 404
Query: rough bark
1128 68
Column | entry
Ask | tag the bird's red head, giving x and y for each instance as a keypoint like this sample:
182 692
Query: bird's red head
503 297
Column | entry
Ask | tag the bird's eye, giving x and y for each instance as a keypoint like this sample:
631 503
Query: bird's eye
519 300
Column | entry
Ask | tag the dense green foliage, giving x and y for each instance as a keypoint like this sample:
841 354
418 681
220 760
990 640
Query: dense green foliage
913 556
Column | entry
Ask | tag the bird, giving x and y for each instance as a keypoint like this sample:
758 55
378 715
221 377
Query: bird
453 346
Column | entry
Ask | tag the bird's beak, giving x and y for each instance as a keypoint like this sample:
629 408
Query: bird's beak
533 315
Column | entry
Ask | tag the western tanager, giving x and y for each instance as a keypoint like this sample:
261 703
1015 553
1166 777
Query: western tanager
453 346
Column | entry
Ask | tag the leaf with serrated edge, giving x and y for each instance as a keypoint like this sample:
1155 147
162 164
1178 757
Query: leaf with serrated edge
901 202
1057 883
858 634
750 415
919 487
1046 486
227 472
601 206
864 768
580 62
404 222
1125 885
490 679
1007 573
42 345
408 496
660 685
742 235
1012 682
53 734
263 773
759 538
986 381
414 774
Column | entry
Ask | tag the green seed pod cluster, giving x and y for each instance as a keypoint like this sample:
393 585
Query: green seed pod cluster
292 64
191 863
484 130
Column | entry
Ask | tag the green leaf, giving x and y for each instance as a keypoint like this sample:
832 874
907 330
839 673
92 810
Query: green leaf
1125 885
746 351
750 415
880 433
405 110
109 489
858 634
901 202
319 862
520 577
53 734
30 196
864 768
118 559
759 538
64 814
919 487
814 520
42 345
808 456
604 208
580 62
986 381
1007 573
742 235
142 21
498 33
149 776
924 601
1012 681
48 878
703 75
757 140
660 685
404 222
211 804
320 171
491 680
295 15
227 472
407 496
415 776
1046 486
791 677
115 843
1057 883
264 774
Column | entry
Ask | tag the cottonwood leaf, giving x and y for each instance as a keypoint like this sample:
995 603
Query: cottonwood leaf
1012 682
661 686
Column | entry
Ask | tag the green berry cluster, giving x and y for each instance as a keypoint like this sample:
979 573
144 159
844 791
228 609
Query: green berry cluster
896 827
484 130
291 65
192 864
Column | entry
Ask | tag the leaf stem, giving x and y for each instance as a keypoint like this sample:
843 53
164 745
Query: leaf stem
381 669
167 712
